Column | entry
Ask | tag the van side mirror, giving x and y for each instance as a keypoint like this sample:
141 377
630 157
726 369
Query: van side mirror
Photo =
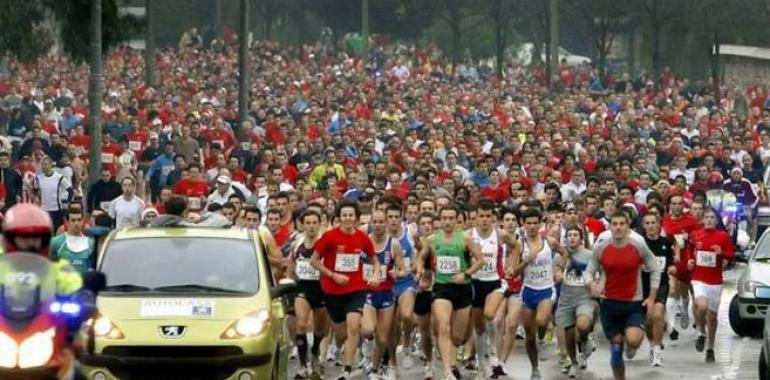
762 292
284 288
94 281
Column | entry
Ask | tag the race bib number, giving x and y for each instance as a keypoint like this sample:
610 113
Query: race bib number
536 276
706 259
447 264
105 206
369 272
107 158
573 279
346 262
245 145
135 145
194 203
489 265
306 272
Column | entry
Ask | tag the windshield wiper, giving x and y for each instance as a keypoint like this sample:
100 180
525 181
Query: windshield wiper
195 288
126 288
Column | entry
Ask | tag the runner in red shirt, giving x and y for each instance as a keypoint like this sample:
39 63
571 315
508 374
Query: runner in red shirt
711 248
620 261
339 256
193 187
678 225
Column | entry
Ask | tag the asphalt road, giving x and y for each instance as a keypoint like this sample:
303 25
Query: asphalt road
737 357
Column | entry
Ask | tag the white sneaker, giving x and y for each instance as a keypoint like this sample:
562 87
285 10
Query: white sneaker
345 375
294 353
574 372
407 362
630 353
535 374
657 358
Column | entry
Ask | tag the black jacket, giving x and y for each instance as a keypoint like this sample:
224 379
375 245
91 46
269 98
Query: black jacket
12 181
102 192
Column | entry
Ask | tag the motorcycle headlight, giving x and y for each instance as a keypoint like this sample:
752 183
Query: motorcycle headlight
249 325
37 350
8 351
104 328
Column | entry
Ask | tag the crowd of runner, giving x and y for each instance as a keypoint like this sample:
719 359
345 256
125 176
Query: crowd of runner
425 211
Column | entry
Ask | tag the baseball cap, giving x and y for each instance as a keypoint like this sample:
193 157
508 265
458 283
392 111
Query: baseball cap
223 179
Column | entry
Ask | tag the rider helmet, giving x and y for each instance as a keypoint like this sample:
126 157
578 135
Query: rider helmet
27 220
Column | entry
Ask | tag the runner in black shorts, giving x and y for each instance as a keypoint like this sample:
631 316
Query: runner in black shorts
661 247
424 297
620 260
310 299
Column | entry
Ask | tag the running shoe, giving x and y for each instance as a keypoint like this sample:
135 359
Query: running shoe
573 372
710 357
700 343
497 372
657 358
535 374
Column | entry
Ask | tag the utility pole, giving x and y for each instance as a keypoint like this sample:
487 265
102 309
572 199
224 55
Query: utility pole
149 46
365 30
554 32
95 94
243 68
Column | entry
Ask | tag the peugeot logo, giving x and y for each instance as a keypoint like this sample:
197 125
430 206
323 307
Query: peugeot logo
172 332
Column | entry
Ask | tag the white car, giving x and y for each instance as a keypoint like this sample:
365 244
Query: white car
525 52
747 311
763 293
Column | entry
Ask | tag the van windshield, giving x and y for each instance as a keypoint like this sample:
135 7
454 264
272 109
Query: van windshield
181 265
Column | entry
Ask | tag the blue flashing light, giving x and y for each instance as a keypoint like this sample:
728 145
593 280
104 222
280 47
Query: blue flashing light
65 308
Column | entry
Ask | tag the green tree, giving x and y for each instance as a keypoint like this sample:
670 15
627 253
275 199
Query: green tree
22 34
73 16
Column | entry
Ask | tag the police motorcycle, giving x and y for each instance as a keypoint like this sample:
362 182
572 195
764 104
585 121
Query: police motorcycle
735 218
37 326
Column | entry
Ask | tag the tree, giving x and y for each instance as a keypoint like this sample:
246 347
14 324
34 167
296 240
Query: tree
74 15
659 14
451 12
603 19
21 32
502 14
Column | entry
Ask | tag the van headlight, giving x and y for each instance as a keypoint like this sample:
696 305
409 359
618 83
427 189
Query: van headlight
250 325
104 328
37 350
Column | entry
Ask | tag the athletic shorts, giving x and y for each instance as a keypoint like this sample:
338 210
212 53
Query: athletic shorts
461 296
711 292
339 306
531 298
382 299
617 316
661 296
311 292
422 303
403 286
569 309
481 289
